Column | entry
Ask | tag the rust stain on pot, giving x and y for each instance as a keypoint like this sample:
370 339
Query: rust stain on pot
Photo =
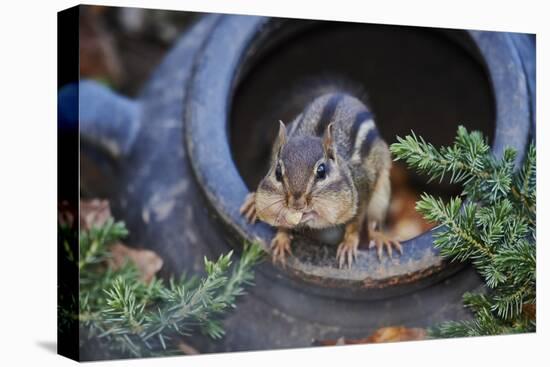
403 279
368 272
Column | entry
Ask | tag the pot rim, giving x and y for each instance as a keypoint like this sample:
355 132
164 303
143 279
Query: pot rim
219 66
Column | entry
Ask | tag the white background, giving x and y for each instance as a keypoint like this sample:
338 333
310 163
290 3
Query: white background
28 181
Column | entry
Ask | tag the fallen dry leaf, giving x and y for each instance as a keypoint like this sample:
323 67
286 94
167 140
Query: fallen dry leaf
147 262
93 213
396 334
404 221
530 311
99 57
187 349
382 335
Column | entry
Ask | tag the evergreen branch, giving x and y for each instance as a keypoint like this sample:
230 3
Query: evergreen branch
465 245
509 305
494 227
524 189
126 317
528 176
468 161
93 244
461 161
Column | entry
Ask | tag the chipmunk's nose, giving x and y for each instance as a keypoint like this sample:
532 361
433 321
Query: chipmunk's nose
297 201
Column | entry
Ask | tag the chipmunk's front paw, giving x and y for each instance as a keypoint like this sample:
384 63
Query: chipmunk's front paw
248 209
380 240
280 247
347 250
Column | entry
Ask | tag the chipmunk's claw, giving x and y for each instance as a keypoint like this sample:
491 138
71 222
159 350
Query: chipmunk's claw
280 247
347 251
248 209
380 240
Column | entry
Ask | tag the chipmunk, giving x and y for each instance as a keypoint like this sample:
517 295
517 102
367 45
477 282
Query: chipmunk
329 167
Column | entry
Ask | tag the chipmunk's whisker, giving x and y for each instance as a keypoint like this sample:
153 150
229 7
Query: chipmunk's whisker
279 214
270 205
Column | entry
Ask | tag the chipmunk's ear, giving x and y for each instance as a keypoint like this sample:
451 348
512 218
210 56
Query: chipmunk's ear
281 138
329 145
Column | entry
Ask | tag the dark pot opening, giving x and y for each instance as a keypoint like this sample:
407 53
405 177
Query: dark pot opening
423 79
415 79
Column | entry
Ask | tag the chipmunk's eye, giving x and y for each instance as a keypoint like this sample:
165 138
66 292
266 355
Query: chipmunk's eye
278 174
321 171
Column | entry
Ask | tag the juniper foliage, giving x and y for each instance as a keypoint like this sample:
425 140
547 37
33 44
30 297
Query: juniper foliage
492 225
124 317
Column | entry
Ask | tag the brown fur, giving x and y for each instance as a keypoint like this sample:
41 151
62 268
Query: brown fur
336 130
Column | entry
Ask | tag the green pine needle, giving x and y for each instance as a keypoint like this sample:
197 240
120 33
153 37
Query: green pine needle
493 226
125 317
